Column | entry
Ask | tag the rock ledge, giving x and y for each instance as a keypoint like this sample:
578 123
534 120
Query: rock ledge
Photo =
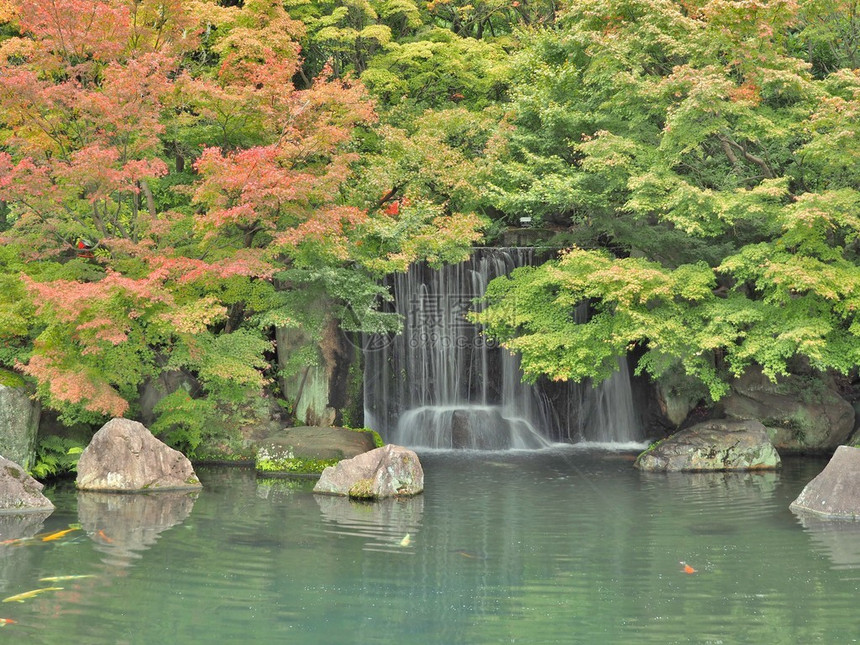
719 444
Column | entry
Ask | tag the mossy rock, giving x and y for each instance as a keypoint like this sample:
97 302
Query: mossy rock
362 489
288 466
311 449
11 379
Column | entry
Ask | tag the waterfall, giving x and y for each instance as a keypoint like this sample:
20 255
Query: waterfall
441 384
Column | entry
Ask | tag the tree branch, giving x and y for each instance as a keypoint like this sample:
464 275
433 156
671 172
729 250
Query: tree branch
729 143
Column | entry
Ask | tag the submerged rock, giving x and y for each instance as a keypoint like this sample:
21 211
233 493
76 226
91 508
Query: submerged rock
390 471
20 493
719 444
835 492
124 456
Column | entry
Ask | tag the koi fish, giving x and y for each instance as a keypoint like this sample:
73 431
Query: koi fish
104 537
687 568
63 578
406 541
21 597
59 534
6 621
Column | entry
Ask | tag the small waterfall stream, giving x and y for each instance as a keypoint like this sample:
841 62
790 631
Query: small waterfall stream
441 384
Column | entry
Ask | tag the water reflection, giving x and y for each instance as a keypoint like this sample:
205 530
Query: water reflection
387 524
123 525
15 556
838 539
562 547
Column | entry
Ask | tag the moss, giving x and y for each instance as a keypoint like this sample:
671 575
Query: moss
650 448
377 439
362 489
14 472
11 379
293 465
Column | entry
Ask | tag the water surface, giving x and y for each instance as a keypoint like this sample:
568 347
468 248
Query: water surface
560 546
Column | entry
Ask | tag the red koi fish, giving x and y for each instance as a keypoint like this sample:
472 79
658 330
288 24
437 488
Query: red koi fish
687 568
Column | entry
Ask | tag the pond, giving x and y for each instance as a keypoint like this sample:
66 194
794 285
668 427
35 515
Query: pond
565 545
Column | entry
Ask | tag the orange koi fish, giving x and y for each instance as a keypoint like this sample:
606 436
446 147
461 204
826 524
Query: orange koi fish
687 568
6 621
104 537
58 534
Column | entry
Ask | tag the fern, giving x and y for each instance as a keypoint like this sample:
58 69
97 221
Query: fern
184 422
56 456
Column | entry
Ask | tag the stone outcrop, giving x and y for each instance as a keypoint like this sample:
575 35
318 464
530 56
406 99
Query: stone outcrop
390 471
675 406
124 456
801 413
835 492
319 388
290 450
20 493
719 444
314 442
19 423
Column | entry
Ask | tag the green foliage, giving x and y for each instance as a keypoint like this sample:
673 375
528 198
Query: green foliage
377 440
725 192
439 70
56 456
184 423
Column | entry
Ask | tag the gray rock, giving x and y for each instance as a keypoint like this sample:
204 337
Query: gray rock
20 493
675 406
835 492
390 471
19 423
124 456
800 413
314 442
719 444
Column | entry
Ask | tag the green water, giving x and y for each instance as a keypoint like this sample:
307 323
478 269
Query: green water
563 546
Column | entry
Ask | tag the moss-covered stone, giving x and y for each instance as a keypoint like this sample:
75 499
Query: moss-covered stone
273 467
362 489
11 379
713 445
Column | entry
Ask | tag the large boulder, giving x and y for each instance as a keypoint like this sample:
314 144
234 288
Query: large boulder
835 492
19 423
315 442
719 444
294 450
801 413
124 456
20 493
390 471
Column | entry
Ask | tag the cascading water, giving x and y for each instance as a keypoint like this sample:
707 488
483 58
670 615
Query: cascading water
441 384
